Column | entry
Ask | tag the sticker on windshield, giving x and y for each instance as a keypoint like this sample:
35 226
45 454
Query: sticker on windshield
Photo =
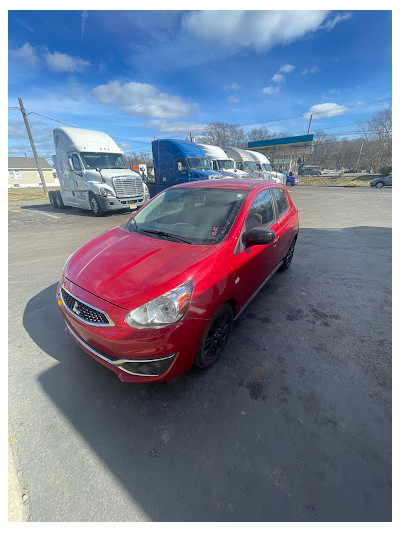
214 231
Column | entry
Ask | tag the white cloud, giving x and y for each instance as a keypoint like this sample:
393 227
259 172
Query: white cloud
235 86
233 100
142 99
59 62
27 54
260 30
325 110
286 69
312 70
270 90
278 78
84 17
330 24
175 128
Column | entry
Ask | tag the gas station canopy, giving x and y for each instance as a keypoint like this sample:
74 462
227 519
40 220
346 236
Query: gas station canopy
299 145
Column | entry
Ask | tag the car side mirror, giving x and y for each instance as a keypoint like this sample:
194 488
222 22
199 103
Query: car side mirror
257 236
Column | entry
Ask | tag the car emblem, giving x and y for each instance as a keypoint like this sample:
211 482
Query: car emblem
75 308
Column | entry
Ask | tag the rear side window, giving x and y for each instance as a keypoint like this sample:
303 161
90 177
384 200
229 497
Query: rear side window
281 200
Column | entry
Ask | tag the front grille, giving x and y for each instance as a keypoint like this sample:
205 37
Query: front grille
128 187
82 310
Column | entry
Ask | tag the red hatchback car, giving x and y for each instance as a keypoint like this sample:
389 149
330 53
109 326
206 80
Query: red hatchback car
158 294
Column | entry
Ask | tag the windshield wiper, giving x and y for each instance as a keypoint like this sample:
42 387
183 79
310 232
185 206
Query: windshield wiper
165 234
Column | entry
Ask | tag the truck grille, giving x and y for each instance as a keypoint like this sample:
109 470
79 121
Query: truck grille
83 311
128 187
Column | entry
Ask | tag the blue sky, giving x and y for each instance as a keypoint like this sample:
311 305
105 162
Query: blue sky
143 74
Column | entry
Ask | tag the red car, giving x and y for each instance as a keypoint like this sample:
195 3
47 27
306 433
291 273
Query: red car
158 294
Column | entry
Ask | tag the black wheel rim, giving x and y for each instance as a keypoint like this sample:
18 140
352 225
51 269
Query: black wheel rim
217 336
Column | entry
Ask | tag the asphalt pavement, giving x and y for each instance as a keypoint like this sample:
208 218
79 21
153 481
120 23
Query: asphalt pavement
292 424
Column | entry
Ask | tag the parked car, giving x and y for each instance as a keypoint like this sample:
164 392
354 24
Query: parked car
292 180
381 182
152 297
309 172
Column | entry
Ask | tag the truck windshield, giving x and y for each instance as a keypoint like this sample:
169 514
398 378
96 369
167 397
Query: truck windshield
99 160
199 163
225 164
194 216
250 165
266 166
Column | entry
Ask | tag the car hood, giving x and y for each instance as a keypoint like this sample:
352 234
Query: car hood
128 269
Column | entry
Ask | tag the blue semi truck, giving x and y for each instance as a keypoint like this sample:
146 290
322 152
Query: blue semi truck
178 161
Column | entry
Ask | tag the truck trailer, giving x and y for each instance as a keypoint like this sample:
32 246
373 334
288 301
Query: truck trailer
93 173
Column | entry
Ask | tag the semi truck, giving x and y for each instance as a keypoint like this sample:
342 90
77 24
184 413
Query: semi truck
177 161
93 173
221 162
245 162
263 164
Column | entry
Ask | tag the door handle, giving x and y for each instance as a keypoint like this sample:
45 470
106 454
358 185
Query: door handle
275 241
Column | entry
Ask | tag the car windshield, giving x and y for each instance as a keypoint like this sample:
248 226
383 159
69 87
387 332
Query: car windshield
250 165
99 160
266 166
199 163
226 164
195 216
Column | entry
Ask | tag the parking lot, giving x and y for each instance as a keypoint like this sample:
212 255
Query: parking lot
292 424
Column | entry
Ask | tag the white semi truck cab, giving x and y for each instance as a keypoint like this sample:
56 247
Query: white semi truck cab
263 164
245 161
222 163
93 173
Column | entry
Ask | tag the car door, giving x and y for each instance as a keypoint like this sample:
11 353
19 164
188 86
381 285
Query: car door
250 266
283 223
78 181
388 180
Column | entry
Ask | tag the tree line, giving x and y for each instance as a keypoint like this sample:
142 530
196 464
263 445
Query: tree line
369 148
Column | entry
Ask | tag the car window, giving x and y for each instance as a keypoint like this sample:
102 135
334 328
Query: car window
261 212
198 215
75 162
281 200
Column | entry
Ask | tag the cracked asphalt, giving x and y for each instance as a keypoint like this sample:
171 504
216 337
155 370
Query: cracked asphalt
292 424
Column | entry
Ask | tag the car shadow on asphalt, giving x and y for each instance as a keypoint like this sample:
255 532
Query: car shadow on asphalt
263 435
75 211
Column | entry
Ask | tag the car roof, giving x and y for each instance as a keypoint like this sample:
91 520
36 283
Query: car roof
234 183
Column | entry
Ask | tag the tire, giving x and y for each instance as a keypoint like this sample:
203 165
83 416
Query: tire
288 257
95 206
379 185
58 202
52 199
215 337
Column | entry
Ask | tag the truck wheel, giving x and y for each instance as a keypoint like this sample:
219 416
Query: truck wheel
215 338
95 206
52 199
58 200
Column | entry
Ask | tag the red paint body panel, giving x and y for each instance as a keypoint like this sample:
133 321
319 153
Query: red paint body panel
119 271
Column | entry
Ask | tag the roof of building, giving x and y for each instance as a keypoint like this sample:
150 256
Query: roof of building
26 163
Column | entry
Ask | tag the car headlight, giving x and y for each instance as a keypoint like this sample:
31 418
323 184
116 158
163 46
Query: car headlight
106 192
167 309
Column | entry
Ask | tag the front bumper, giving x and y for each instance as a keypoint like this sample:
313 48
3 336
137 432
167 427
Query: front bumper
135 355
111 203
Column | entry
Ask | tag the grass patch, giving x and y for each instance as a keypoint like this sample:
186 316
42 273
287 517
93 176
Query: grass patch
19 194
336 180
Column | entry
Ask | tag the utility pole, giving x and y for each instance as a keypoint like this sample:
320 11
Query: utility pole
359 155
309 124
28 129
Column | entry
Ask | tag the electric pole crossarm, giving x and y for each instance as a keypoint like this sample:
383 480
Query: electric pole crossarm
28 129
